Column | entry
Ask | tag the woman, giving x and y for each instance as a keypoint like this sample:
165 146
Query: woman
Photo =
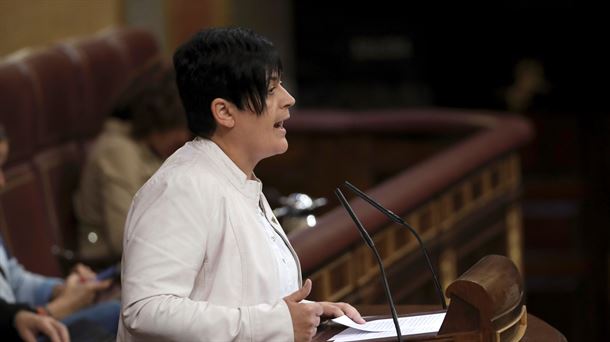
204 257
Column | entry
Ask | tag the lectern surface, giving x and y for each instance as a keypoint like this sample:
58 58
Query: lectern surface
537 329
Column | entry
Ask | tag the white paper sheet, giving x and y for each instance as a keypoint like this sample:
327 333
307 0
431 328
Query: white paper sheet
368 326
412 325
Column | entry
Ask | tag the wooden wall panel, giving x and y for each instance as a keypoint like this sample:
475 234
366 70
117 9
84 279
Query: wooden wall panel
37 23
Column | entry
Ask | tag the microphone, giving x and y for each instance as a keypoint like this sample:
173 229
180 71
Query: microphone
367 238
402 222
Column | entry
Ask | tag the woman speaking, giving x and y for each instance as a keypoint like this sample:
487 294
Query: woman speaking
204 257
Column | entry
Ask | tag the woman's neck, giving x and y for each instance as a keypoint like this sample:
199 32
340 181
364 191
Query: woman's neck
237 155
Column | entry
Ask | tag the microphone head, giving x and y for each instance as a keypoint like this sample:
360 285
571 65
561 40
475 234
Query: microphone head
374 203
402 222
363 233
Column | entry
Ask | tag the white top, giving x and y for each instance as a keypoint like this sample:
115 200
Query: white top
286 266
196 266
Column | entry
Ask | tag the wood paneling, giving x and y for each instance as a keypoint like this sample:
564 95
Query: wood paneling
40 22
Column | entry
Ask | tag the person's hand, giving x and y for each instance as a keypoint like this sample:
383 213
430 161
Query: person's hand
77 294
332 310
84 272
29 324
305 316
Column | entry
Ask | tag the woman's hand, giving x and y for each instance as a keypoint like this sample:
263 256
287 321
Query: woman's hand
29 325
332 310
305 316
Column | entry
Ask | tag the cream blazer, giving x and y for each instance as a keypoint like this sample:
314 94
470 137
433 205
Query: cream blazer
196 265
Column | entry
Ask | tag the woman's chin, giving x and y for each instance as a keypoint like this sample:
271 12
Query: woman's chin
281 148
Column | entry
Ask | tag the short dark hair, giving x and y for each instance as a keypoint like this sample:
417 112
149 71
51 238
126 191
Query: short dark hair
151 101
235 64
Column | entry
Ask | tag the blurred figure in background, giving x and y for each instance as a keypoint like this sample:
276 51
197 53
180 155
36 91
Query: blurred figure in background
70 300
147 125
529 85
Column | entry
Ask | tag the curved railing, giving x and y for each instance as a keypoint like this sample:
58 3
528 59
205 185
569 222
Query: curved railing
443 196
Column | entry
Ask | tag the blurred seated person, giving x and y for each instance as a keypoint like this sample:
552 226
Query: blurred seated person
20 322
68 300
146 126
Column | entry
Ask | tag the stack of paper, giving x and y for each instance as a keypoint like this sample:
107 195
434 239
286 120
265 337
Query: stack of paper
381 328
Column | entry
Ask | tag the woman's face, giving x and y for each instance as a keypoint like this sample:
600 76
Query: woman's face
264 136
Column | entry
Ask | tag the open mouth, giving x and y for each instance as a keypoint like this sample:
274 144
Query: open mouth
280 124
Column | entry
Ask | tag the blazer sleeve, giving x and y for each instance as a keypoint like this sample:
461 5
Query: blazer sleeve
164 251
27 287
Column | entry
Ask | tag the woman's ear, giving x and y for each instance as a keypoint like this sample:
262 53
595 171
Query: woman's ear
222 110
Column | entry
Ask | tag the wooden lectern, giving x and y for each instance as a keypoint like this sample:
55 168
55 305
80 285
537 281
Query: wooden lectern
486 304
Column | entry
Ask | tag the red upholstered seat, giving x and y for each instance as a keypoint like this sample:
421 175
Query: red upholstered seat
24 221
137 45
105 71
17 108
58 88
105 62
59 169
53 102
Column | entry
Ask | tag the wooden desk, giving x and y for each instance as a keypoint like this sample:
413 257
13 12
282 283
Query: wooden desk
537 329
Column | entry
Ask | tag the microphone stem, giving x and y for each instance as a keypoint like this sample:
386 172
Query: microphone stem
402 222
437 284
388 295
367 238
